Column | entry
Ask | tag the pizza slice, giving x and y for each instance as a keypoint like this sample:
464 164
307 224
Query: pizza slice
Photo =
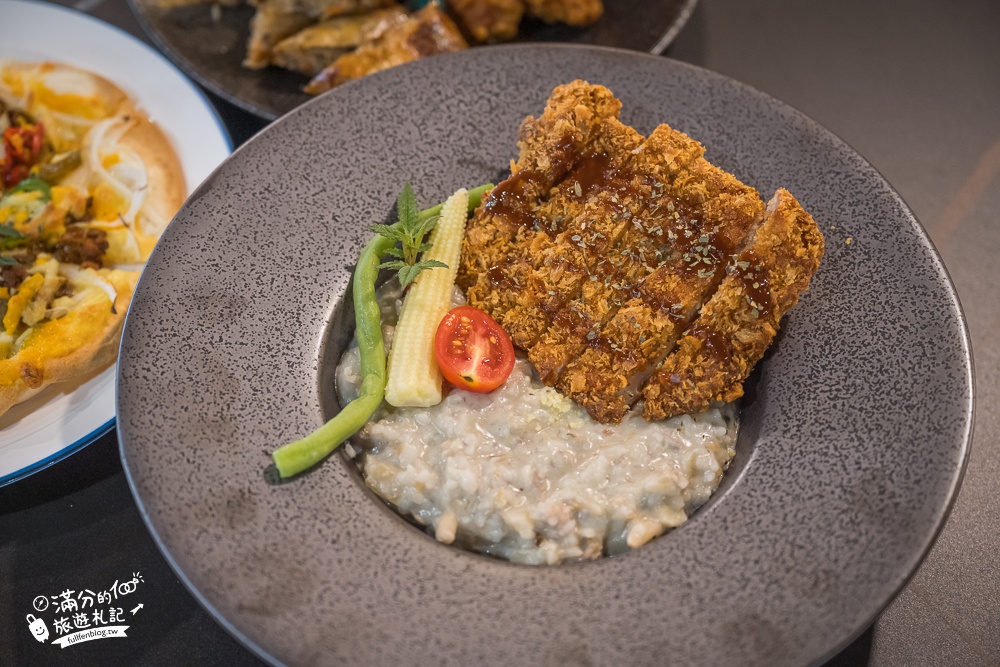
60 321
89 183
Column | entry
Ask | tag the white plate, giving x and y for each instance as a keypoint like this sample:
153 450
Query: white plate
66 417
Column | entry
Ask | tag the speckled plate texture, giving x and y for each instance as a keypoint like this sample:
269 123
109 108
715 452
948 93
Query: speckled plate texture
853 438
209 44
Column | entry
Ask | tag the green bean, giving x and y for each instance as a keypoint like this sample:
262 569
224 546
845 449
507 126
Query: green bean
302 454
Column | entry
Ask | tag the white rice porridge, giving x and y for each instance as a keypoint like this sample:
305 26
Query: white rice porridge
524 473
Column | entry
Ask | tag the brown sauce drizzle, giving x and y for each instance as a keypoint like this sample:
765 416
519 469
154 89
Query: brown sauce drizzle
500 279
564 156
600 343
598 172
683 256
568 319
510 199
715 342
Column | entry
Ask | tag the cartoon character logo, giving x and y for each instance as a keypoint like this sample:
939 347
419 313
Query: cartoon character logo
38 628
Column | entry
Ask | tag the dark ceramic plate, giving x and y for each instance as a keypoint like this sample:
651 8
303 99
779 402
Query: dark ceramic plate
211 51
853 436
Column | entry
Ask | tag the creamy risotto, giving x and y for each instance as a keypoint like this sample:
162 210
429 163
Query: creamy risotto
523 473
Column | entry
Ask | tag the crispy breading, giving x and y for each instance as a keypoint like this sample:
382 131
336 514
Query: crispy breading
571 233
573 12
597 279
602 247
578 276
662 216
619 237
712 213
488 20
738 323
427 32
524 215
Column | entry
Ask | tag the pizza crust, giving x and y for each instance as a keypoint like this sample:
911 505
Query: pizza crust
167 189
92 355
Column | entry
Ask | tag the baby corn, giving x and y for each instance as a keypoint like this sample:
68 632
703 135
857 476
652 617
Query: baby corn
414 379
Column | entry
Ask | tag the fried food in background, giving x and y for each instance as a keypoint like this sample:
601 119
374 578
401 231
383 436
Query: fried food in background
488 20
324 9
309 51
339 40
276 20
572 12
269 26
172 4
426 33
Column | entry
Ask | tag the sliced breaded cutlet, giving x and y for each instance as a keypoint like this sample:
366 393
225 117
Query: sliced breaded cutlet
736 326
524 215
706 213
601 248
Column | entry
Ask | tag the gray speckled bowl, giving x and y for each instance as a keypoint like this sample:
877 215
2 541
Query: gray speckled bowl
854 432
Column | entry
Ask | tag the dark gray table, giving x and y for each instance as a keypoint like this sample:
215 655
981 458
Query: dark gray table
913 86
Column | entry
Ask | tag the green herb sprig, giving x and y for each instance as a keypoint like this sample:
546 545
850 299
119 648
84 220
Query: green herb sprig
409 232
293 458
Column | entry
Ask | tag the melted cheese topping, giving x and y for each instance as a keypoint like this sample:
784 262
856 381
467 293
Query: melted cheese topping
88 311
17 303
53 339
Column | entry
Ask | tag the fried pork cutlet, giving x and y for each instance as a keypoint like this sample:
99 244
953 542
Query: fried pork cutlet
603 246
706 213
488 20
517 227
738 323
427 32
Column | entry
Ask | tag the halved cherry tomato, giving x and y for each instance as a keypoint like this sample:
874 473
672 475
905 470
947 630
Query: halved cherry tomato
472 350
22 148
